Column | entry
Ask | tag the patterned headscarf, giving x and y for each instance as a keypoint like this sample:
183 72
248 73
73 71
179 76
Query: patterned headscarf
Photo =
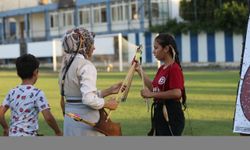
71 41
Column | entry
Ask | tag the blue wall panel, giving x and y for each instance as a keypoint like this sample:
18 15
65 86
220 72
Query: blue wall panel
179 47
148 48
211 47
194 47
229 47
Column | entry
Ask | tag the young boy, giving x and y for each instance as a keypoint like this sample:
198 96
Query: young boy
25 102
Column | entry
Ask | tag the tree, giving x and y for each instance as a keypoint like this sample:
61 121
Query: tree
210 16
232 16
197 10
203 9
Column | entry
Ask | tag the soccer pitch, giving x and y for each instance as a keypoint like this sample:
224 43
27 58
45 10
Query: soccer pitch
211 97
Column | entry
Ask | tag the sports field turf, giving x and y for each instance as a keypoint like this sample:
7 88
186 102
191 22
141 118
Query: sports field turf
211 97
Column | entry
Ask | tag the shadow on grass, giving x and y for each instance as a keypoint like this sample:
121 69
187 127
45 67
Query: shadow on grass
140 127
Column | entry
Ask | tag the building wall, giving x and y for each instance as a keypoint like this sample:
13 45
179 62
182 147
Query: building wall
16 4
203 47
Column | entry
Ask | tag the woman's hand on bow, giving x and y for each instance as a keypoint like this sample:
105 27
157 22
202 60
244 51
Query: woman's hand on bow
111 104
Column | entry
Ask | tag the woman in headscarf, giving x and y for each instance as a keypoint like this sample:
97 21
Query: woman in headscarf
77 81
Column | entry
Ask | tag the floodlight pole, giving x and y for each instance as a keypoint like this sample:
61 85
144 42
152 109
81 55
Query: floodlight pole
120 52
54 55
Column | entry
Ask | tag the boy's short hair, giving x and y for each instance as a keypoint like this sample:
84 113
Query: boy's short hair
25 66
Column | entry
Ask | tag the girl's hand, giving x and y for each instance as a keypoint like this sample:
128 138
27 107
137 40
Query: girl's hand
146 93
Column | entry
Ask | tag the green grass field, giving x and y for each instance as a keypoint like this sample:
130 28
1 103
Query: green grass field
211 99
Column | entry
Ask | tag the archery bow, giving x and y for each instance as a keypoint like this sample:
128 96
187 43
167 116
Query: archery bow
122 94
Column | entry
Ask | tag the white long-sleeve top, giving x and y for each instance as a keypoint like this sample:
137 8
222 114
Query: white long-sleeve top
80 82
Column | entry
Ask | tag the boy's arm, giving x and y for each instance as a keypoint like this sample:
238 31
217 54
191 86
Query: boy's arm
3 122
51 121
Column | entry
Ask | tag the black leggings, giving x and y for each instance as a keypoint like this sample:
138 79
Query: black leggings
176 122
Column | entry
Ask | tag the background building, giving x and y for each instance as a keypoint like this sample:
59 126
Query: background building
40 24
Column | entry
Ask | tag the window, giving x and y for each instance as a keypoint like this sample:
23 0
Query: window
155 10
53 20
84 16
81 17
99 14
96 15
114 12
117 13
134 12
146 10
126 12
67 18
103 15
12 28
1 29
